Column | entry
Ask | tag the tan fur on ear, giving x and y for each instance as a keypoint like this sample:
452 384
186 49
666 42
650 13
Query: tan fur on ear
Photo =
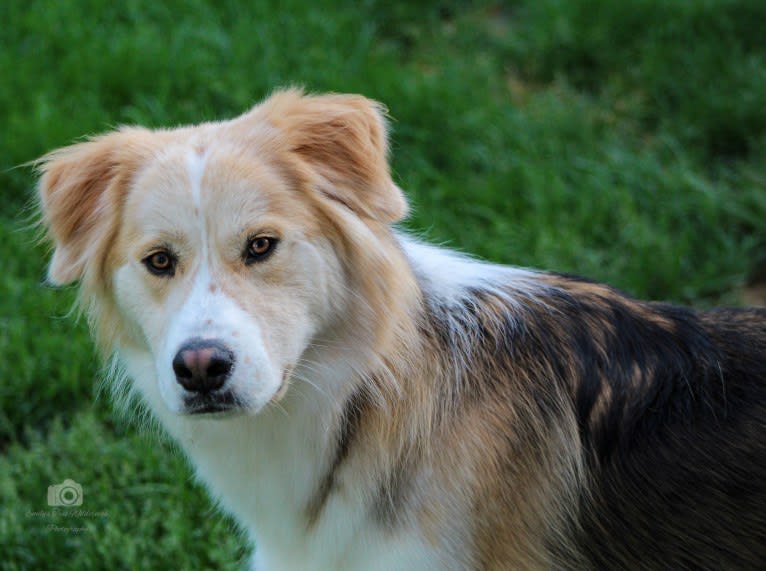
79 192
343 138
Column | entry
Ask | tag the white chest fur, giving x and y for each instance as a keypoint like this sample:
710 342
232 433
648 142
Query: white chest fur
264 470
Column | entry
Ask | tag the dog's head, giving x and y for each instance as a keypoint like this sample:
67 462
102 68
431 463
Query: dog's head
222 252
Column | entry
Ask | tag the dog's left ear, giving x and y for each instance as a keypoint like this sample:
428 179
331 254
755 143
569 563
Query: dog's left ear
80 192
343 138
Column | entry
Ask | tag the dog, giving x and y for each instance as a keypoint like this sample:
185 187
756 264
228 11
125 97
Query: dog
361 400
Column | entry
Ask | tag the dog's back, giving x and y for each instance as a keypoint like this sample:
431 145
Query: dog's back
633 431
672 426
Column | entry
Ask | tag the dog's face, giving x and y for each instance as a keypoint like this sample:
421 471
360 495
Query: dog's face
225 272
218 251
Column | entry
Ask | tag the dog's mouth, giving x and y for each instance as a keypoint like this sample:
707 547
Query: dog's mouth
223 403
217 404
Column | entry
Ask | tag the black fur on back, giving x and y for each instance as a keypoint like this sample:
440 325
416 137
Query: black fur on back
671 408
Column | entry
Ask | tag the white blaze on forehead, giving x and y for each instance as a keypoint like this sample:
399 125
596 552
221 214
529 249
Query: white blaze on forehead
196 161
195 164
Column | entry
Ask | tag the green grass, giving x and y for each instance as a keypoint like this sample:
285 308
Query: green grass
626 142
140 508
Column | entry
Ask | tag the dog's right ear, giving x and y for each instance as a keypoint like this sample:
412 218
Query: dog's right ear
80 192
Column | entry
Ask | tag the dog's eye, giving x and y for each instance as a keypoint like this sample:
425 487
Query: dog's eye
161 263
259 248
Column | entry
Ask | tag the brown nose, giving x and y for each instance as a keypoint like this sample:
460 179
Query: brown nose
203 365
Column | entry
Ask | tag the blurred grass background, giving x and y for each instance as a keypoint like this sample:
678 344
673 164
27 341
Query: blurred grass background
622 141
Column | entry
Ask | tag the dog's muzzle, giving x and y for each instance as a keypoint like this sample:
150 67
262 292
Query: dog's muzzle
202 367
